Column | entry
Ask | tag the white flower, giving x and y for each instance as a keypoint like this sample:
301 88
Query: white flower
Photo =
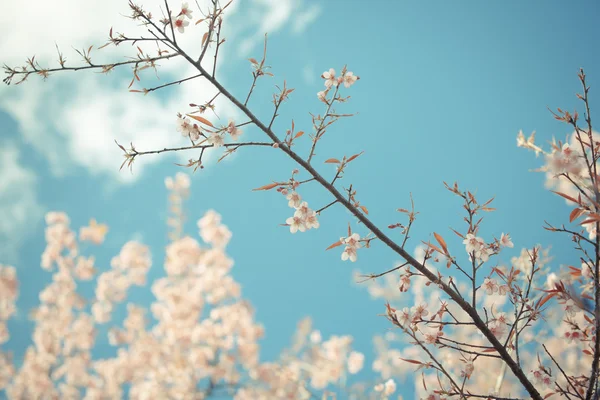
473 243
329 77
185 10
389 387
349 253
296 224
468 369
484 254
294 199
355 362
419 311
349 79
352 241
586 271
233 130
216 140
570 308
311 220
490 286
403 316
505 240
180 23
183 126
302 210
322 95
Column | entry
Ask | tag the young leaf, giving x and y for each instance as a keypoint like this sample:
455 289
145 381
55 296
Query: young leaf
441 241
336 244
267 187
200 119
354 156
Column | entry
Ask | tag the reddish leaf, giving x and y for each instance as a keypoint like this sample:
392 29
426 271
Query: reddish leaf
364 209
545 299
576 213
354 156
566 196
299 134
200 119
332 161
441 241
336 244
459 234
408 360
267 187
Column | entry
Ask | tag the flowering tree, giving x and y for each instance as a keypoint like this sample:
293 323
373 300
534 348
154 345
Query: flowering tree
473 331
204 339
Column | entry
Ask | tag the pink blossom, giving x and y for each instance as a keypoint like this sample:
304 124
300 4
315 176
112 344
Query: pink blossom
349 79
490 286
296 224
180 23
349 253
505 240
329 77
185 10
294 199
355 362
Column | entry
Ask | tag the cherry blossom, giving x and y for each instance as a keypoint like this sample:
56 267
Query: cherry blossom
216 139
490 286
404 316
322 95
185 10
473 243
234 131
349 253
505 240
349 79
296 224
94 233
355 362
330 79
571 308
180 23
420 311
294 199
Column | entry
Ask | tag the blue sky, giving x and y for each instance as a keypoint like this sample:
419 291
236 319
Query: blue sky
444 89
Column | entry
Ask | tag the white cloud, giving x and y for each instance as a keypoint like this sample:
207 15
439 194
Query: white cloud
73 118
19 207
305 18
309 74
272 15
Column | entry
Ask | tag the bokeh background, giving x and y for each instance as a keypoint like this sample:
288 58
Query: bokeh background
444 89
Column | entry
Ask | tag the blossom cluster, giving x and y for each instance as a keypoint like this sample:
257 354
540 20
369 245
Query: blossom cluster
181 21
188 128
304 217
476 246
9 290
332 81
216 138
352 244
203 335
568 327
